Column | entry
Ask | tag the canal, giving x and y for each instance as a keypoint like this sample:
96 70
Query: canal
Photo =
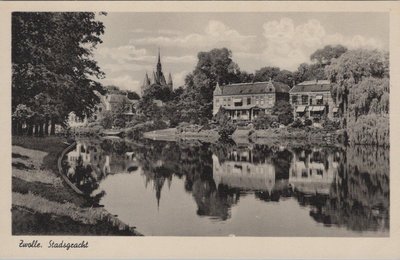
200 189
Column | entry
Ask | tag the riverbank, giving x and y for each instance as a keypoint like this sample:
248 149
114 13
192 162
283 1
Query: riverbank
174 134
271 135
43 204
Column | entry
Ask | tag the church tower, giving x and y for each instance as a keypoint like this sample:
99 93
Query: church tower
157 77
146 84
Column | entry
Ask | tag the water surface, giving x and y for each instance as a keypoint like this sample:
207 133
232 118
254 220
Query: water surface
200 189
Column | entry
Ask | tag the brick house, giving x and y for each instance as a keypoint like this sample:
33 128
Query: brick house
313 99
244 101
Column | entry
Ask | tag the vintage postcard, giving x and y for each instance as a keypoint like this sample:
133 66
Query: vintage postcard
200 129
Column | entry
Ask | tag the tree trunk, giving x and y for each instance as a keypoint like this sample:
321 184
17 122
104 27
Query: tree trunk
53 127
41 129
30 129
46 127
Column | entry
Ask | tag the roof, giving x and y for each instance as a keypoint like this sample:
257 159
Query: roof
312 86
253 88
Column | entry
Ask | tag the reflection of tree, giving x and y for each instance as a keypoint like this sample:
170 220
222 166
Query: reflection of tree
212 201
359 198
84 178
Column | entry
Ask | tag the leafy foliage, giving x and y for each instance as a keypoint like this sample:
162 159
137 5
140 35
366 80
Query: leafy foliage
264 121
53 72
284 111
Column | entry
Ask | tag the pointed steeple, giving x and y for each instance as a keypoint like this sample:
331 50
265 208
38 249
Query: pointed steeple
146 81
170 84
159 67
155 79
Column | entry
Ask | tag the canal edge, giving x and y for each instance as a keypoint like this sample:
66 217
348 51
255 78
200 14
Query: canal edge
113 220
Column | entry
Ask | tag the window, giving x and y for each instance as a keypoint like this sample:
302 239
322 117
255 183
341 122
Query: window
100 109
248 100
304 99
294 100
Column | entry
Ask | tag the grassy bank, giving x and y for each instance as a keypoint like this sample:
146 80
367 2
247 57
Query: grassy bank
43 204
271 135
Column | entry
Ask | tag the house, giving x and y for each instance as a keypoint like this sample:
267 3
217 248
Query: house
313 99
244 101
108 102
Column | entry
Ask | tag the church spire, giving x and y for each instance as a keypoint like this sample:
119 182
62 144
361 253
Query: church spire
170 84
159 68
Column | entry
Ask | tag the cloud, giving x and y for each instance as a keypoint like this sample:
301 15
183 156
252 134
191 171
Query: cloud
287 45
122 53
216 34
179 78
180 59
124 82
169 32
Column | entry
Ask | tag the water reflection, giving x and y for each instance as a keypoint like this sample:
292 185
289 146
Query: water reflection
340 187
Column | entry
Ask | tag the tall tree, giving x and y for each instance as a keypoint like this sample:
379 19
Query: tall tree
352 67
215 66
325 55
52 58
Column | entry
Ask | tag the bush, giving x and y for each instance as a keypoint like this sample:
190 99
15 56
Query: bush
308 122
297 123
264 121
330 125
226 130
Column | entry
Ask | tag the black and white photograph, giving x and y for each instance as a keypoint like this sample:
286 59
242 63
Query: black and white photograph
267 124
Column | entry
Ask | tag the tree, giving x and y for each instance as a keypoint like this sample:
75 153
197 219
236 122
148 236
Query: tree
266 73
284 111
366 97
325 55
215 66
352 67
308 72
132 95
159 92
52 63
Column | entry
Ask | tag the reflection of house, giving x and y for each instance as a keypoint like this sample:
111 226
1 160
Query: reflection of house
244 101
102 163
244 175
312 172
313 99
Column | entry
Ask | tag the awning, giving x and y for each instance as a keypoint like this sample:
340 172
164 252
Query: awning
236 100
335 109
318 108
318 97
300 109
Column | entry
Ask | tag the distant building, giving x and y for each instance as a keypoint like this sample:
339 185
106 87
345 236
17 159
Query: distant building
158 78
244 101
108 102
313 99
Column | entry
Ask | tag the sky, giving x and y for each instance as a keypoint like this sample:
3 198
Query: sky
131 40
